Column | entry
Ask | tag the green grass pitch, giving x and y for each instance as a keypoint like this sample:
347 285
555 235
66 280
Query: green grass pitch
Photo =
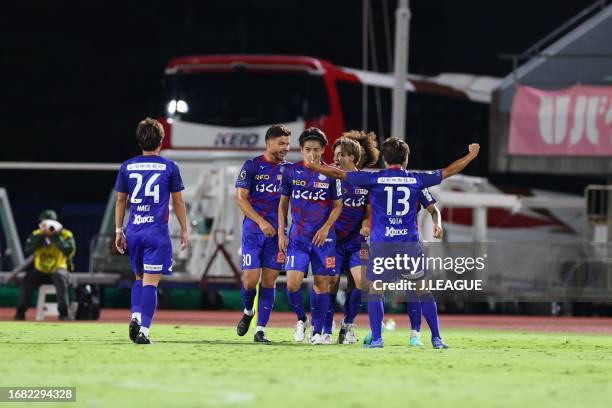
199 366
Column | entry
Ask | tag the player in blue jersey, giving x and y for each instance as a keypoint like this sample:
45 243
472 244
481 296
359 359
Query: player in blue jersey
148 181
354 150
257 195
393 195
427 202
315 205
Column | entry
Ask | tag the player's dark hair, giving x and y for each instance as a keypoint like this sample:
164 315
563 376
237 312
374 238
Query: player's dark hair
277 131
395 151
369 147
349 147
149 134
313 133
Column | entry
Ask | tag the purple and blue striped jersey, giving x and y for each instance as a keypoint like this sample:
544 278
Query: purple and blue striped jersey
148 180
354 202
311 196
262 179
394 196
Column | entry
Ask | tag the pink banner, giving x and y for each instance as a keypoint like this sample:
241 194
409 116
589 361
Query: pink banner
575 121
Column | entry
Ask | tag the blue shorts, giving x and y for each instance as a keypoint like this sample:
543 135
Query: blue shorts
348 255
302 251
259 251
390 262
150 252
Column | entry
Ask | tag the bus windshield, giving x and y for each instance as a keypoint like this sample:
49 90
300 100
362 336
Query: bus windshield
244 98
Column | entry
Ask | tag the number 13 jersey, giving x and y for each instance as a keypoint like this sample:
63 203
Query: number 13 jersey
394 196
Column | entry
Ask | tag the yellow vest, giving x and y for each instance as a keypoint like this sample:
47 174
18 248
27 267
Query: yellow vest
50 258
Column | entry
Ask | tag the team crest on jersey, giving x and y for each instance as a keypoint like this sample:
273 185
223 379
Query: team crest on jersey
330 262
363 253
318 184
322 177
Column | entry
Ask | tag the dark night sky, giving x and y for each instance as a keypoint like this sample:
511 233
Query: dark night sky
78 75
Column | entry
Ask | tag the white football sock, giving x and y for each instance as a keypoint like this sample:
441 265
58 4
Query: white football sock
145 331
136 315
260 329
249 312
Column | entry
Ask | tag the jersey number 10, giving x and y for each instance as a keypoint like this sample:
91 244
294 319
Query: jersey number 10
403 201
151 189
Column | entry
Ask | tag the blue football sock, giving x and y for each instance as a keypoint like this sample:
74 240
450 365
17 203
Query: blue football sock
329 315
354 306
318 310
148 304
266 304
248 297
430 312
297 303
376 313
136 296
414 313
347 306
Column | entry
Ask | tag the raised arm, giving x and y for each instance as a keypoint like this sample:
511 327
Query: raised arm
329 171
458 165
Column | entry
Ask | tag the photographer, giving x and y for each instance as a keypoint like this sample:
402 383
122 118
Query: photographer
53 247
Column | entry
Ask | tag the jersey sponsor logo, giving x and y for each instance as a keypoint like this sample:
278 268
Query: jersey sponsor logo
236 139
146 166
361 191
153 268
394 232
143 208
299 183
352 202
262 177
396 180
267 188
330 262
318 195
318 184
395 221
143 219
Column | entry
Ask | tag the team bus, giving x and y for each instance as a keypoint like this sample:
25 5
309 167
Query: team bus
226 102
